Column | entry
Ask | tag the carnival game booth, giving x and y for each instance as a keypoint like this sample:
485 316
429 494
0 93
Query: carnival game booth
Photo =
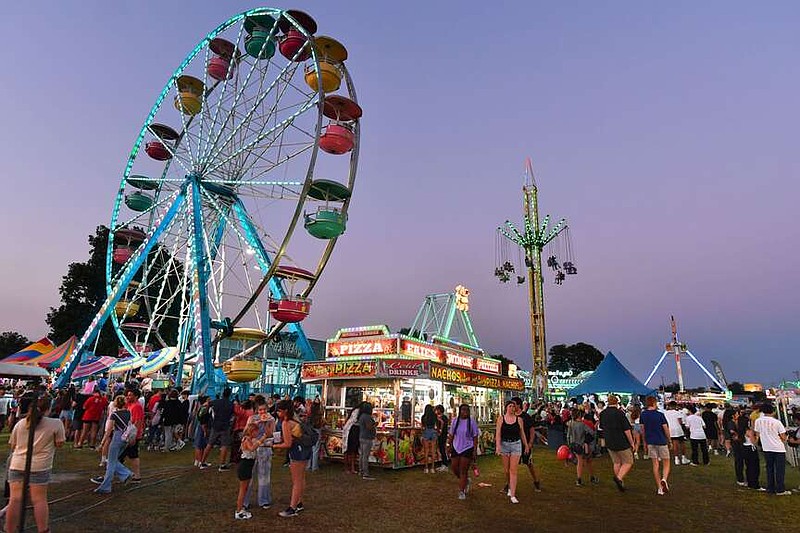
399 375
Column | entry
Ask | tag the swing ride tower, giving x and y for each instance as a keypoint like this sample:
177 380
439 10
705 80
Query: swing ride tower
530 242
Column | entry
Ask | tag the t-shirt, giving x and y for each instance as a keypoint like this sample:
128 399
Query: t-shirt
576 432
222 410
137 417
769 430
653 422
464 433
366 427
527 424
614 424
93 408
674 421
696 427
711 419
48 432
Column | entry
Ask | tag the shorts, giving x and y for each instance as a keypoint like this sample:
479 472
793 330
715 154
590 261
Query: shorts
131 452
200 441
220 436
429 434
245 469
513 447
658 451
469 452
623 457
526 458
681 438
65 414
42 477
77 424
637 428
299 452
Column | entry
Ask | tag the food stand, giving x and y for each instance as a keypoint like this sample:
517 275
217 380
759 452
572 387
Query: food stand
399 375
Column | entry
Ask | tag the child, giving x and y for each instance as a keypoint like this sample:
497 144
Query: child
580 435
244 470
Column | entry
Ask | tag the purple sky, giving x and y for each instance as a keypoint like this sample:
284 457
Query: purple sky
665 133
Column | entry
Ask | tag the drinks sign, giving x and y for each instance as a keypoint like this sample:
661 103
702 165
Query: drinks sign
403 368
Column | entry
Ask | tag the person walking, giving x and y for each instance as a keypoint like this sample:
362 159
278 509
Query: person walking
677 434
462 441
221 420
656 434
291 431
580 439
366 436
619 440
712 423
115 427
697 436
48 435
772 434
530 433
137 418
510 440
430 436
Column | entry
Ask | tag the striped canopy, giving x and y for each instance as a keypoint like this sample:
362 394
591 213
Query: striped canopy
92 365
132 362
158 360
54 359
42 346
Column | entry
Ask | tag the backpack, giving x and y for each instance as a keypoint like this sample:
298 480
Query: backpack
310 437
130 432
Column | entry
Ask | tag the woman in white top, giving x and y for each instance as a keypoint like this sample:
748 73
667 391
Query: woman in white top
48 435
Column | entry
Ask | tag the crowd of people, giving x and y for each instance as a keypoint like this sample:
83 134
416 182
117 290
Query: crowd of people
115 419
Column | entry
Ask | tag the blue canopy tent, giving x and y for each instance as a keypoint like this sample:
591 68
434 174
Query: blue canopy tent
612 376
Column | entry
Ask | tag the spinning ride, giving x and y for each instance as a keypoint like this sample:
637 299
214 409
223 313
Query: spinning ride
244 142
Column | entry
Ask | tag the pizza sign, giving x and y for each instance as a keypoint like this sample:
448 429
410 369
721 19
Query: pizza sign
363 347
344 369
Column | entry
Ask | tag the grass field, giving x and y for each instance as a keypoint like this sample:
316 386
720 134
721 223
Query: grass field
176 497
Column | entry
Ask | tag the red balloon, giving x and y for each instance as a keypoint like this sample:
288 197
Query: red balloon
563 452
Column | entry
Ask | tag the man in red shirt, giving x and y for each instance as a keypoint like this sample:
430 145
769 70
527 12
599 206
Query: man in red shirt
137 418
93 409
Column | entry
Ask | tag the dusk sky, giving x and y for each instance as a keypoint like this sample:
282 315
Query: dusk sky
666 133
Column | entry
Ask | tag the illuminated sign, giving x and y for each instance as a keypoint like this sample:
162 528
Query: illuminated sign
403 368
344 369
488 365
364 347
474 379
472 350
415 349
457 359
366 331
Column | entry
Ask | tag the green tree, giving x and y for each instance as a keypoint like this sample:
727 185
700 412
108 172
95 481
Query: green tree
12 342
574 357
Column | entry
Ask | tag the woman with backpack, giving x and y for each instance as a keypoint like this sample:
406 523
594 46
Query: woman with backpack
580 436
299 454
116 426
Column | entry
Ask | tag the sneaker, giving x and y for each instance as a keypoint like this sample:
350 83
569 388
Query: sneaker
266 506
537 487
442 468
181 444
196 463
728 453
677 462
508 493
462 495
97 480
579 483
685 461
741 483
368 478
427 471
98 491
173 448
636 455
243 514
469 486
694 464
619 483
203 466
761 489
514 499
784 493
299 507
288 513
660 492
103 463
223 468
645 457
716 452
595 480
505 491
664 485
135 480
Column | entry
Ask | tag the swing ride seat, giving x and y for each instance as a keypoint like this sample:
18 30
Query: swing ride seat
329 75
326 223
157 151
337 139
126 309
242 370
122 254
292 43
290 310
139 201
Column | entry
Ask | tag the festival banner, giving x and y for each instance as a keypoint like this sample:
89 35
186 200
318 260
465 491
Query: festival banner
343 369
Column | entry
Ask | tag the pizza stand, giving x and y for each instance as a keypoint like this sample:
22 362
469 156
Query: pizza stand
399 375
31 373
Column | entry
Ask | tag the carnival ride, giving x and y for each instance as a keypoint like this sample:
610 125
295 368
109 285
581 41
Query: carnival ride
679 351
224 169
529 243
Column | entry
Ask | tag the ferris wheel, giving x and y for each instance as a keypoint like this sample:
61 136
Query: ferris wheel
235 191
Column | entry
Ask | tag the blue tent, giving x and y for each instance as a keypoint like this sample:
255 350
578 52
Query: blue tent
612 376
